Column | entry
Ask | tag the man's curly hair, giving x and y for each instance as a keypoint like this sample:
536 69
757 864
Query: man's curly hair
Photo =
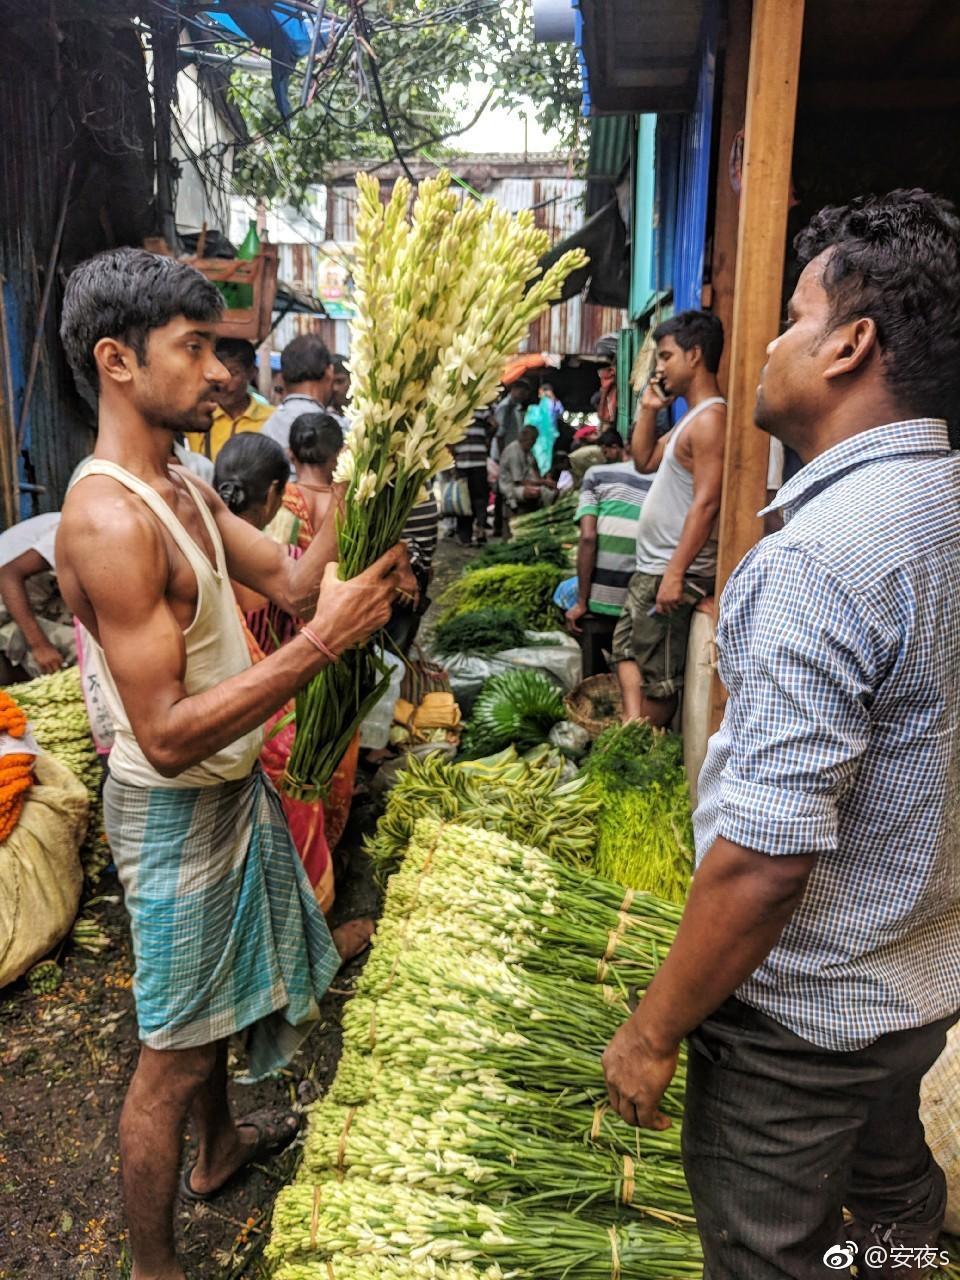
896 260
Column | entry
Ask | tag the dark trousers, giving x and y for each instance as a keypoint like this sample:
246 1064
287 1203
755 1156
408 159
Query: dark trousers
779 1135
596 636
479 490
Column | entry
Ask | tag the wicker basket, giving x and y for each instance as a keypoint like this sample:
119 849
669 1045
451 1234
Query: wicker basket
585 705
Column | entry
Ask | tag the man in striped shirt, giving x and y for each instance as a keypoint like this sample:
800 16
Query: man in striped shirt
611 497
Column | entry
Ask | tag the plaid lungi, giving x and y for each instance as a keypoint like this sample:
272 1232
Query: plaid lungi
227 933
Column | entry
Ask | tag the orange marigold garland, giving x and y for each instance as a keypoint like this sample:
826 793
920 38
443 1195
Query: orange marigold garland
16 769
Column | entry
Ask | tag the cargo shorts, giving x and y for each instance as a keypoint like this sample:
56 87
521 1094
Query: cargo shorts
657 642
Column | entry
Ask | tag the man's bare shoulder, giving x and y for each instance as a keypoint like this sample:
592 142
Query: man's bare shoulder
708 428
101 514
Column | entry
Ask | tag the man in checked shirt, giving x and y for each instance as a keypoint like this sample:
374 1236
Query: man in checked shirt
817 968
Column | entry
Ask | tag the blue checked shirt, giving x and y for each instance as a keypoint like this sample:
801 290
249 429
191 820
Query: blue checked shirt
839 641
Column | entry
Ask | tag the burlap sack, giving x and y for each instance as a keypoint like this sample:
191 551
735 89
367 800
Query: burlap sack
40 872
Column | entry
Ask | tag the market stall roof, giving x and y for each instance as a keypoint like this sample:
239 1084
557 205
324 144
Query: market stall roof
639 58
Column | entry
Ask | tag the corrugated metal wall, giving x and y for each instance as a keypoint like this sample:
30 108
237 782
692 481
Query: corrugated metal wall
79 101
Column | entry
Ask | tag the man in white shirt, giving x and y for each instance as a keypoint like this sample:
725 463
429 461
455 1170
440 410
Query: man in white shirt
308 376
36 627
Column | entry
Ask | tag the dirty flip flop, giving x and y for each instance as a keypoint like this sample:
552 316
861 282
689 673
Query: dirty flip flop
275 1128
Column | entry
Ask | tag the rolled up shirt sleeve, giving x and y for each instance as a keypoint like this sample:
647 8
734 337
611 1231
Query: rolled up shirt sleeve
807 657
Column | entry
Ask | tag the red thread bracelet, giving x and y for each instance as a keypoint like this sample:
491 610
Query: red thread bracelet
319 644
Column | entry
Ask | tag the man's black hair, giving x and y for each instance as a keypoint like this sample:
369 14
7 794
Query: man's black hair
304 359
123 294
246 467
691 329
339 362
895 259
611 439
315 439
237 349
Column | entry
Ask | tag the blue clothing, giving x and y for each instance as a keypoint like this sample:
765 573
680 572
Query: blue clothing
227 933
839 642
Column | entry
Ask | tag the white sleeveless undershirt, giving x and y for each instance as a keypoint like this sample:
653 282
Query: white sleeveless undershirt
215 644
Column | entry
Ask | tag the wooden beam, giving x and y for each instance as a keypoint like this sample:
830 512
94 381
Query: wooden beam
775 39
733 114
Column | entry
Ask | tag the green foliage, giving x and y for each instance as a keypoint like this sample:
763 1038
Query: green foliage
479 632
540 549
644 832
518 708
528 588
427 58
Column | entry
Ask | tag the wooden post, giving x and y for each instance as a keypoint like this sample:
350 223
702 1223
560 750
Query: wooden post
733 112
775 39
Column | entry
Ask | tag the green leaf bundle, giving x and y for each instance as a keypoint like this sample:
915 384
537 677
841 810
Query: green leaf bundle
538 549
522 799
480 632
644 831
516 708
528 588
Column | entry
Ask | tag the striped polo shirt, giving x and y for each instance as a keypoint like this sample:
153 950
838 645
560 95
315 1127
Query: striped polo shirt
472 450
614 493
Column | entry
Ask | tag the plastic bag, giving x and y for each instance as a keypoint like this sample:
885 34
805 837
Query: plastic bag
375 729
40 872
554 653
570 738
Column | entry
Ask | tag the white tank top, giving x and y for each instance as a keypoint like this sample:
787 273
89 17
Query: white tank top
665 510
216 648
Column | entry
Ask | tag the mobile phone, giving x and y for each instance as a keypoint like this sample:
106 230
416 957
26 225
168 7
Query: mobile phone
656 382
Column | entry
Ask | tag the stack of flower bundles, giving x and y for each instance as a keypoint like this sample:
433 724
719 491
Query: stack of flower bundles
466 1135
443 297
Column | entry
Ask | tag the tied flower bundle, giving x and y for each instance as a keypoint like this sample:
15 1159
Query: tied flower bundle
16 768
443 296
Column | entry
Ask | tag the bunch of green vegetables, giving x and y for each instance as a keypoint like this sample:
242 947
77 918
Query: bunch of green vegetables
523 799
528 588
557 521
644 831
517 708
479 632
58 718
543 548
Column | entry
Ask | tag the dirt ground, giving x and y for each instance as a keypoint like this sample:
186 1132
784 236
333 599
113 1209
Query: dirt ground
65 1060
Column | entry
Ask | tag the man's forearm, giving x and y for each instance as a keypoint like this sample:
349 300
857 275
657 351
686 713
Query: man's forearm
586 563
739 904
198 726
644 438
13 589
697 528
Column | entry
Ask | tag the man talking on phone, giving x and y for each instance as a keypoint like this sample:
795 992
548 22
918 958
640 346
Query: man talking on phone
676 535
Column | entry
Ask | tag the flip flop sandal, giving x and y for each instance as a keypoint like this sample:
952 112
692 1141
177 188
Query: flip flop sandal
275 1128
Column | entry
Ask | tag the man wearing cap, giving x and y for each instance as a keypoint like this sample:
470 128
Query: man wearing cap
586 453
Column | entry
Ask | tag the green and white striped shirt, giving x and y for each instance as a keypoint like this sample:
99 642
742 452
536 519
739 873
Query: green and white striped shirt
614 493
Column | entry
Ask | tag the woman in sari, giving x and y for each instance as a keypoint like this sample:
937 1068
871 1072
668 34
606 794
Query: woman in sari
308 503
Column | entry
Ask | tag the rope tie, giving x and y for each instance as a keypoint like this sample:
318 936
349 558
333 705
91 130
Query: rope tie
602 970
614 1254
315 1218
613 939
342 1146
629 1180
331 1274
599 1112
627 902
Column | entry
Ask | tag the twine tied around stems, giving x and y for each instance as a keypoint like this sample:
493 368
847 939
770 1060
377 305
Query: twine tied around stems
602 970
342 1146
614 1254
599 1111
331 1274
627 902
315 1217
629 1180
